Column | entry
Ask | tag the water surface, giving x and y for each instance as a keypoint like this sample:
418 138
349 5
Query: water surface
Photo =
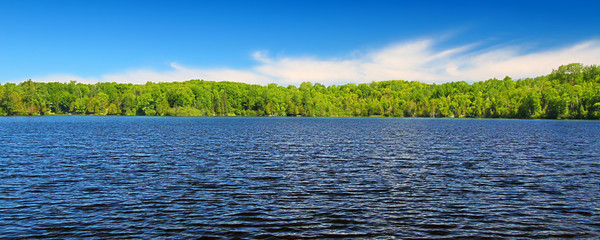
145 177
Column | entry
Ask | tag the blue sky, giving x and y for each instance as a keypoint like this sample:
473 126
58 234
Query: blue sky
288 42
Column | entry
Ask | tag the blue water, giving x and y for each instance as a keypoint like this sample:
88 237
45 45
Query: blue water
144 177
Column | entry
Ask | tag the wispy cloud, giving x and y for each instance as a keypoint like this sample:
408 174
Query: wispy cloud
181 73
177 73
418 60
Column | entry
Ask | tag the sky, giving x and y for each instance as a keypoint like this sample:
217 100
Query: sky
290 42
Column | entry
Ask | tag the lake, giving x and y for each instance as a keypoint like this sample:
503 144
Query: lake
295 178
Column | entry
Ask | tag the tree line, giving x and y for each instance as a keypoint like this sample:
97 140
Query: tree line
570 92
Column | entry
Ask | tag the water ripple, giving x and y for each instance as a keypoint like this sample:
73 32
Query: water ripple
298 178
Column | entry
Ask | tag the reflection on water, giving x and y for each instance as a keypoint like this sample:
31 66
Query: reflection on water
298 178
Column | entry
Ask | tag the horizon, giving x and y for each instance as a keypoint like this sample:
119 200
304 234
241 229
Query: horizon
287 43
296 85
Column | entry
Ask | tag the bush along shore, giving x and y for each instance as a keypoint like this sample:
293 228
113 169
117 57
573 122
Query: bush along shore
570 92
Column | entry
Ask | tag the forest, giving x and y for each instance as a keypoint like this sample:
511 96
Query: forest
569 92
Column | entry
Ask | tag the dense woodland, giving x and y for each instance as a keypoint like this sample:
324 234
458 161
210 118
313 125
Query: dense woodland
569 92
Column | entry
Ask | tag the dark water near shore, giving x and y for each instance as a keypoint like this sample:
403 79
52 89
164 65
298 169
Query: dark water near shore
137 177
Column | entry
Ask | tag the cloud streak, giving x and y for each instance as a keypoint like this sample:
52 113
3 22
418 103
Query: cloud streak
178 73
417 60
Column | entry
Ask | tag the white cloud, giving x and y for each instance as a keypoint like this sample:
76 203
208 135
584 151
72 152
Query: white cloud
180 73
509 61
177 74
417 60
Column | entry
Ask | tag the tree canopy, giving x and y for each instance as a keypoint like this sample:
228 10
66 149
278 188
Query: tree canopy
570 92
